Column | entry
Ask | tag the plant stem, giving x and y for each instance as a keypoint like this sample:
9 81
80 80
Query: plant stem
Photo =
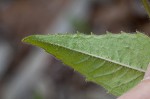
146 6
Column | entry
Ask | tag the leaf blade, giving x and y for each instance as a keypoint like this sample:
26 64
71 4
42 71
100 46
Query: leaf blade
101 63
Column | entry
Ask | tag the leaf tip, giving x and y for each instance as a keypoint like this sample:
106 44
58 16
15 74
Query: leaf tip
26 39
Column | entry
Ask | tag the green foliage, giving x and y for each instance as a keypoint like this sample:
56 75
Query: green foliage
146 6
115 61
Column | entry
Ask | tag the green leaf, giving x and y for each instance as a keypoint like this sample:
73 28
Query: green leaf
147 6
115 61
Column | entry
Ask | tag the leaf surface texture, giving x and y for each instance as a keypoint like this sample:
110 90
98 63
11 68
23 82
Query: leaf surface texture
115 61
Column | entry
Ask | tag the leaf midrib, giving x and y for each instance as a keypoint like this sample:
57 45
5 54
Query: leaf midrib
124 65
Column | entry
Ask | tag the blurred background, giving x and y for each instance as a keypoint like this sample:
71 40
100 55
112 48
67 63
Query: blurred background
27 72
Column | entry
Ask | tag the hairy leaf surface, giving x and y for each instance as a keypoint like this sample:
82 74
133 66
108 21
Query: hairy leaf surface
115 61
